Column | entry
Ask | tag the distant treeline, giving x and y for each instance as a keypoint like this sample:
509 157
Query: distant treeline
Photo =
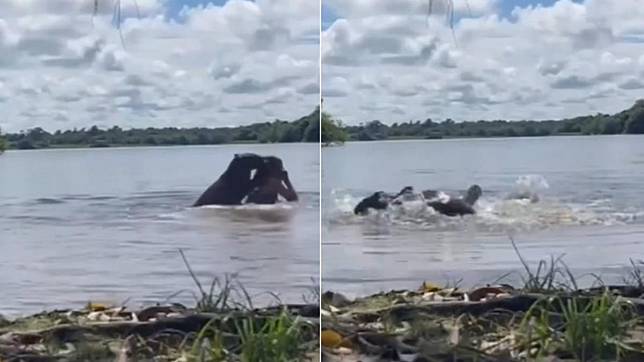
3 144
305 129
630 121
332 130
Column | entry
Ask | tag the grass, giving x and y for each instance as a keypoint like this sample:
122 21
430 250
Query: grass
279 339
222 295
553 320
224 326
549 276
635 276
313 294
252 338
208 345
588 328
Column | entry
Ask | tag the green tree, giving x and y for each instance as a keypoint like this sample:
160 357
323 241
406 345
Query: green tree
3 143
290 133
272 135
312 131
25 144
310 126
612 126
246 135
635 123
332 130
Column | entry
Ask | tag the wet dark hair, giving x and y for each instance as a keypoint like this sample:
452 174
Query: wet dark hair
378 200
271 167
244 162
473 194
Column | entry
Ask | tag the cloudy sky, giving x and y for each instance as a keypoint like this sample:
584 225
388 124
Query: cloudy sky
181 63
510 59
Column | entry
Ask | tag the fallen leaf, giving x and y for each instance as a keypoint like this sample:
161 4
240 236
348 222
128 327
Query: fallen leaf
96 307
333 339
330 339
429 287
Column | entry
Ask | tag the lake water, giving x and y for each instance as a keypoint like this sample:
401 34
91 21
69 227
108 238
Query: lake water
591 206
107 224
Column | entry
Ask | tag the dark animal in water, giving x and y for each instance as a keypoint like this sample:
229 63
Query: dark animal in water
378 201
451 207
234 184
456 206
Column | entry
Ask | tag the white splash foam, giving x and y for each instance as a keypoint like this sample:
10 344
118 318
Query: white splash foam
277 206
531 183
493 214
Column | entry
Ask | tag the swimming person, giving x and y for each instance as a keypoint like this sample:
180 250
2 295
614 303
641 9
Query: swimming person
271 181
234 184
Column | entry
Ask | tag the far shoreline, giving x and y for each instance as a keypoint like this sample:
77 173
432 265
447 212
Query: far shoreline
478 138
126 146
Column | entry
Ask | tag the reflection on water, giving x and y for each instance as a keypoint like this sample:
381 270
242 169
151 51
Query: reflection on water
107 224
574 195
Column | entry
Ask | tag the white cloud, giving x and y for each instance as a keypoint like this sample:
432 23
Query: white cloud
368 8
566 59
62 67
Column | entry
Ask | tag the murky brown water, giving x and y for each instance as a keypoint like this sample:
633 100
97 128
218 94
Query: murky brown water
106 224
591 209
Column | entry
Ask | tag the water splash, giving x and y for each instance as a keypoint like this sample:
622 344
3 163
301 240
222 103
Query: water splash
527 207
531 183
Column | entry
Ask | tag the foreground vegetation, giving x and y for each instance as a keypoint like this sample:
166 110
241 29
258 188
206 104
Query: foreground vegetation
304 129
223 326
547 318
630 121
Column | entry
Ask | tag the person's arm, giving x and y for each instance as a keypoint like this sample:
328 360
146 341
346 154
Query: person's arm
288 192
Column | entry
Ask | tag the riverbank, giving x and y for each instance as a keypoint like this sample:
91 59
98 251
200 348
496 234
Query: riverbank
498 324
547 318
124 145
162 333
628 121
449 138
223 325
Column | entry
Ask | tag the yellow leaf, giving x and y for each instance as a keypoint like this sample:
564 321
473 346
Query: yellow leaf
96 307
430 287
333 339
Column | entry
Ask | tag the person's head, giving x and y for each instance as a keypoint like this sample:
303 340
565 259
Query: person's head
271 167
245 162
473 194
378 201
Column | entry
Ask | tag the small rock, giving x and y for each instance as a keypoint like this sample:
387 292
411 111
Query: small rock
484 293
433 297
98 316
343 350
335 299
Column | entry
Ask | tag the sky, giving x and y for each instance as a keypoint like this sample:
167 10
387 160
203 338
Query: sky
217 63
181 63
518 59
